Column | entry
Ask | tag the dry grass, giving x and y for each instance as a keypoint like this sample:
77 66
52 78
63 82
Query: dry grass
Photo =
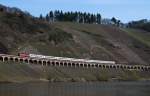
10 72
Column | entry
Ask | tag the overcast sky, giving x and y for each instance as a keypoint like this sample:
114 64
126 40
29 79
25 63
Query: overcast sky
125 10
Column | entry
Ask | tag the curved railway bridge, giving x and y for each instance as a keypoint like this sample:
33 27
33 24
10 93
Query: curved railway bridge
68 63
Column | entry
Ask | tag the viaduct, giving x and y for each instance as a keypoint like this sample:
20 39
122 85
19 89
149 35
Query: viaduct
68 63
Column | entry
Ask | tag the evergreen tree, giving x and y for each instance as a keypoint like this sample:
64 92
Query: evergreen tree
47 18
41 17
56 15
61 16
98 18
79 17
118 23
114 20
76 16
84 17
51 15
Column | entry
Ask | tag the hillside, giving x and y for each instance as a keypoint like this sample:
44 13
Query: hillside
16 72
23 33
27 34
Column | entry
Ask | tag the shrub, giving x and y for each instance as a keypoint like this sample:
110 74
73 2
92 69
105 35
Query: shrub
59 36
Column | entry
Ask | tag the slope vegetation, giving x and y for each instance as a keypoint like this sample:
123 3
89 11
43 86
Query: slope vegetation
10 72
90 41
22 33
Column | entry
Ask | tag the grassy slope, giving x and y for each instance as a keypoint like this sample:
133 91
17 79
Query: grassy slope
11 72
138 34
69 39
91 41
107 43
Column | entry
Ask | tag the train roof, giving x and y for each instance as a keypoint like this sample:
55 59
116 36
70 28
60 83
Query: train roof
70 59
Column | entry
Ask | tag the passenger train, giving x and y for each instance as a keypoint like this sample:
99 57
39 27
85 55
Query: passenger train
26 55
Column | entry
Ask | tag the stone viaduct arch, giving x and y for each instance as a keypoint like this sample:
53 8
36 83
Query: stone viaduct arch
47 62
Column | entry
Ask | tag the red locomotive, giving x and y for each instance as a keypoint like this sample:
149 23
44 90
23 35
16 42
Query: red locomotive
23 55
